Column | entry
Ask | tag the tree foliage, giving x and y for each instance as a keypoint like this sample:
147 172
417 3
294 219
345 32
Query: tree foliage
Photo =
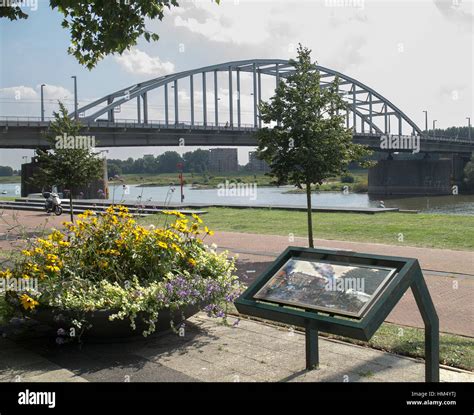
69 168
102 27
307 141
469 174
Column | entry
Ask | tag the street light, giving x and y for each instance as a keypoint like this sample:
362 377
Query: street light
426 121
75 97
468 127
42 102
434 128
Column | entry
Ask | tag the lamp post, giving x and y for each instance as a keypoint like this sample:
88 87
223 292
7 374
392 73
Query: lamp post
468 127
42 102
434 126
76 115
426 121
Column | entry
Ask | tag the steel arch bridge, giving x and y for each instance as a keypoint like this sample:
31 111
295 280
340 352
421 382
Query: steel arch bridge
368 111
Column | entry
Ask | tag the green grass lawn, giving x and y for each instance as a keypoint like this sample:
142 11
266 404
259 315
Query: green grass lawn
10 179
426 230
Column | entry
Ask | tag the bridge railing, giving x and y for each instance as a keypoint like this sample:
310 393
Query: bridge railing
128 123
25 121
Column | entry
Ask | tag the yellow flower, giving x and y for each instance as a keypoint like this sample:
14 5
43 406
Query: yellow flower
53 268
6 274
103 264
45 244
32 267
26 253
175 213
39 251
56 236
196 217
163 245
27 302
64 243
208 231
192 262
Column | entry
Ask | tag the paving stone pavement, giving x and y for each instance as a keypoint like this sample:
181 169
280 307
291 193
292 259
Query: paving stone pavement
20 365
209 351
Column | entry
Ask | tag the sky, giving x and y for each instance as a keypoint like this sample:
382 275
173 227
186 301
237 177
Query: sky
418 54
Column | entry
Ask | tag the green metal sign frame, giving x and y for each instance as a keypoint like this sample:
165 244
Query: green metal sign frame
409 275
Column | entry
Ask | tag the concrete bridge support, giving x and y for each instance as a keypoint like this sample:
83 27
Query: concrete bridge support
417 177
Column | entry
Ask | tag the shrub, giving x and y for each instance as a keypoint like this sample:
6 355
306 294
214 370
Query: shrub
347 178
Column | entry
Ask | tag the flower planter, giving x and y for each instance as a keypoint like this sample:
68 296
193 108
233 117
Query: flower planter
104 330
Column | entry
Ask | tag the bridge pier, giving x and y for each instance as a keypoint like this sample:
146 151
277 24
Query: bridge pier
417 177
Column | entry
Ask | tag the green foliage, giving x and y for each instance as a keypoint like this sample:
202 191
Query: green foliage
347 178
309 142
196 161
6 171
469 174
69 168
102 27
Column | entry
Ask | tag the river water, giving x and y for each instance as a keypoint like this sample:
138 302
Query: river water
274 196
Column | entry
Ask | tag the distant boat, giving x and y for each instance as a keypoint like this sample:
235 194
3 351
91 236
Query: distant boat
4 192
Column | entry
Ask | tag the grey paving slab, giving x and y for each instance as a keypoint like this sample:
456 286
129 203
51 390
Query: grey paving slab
211 352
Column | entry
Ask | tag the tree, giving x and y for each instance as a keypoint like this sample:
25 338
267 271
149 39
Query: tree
113 169
196 161
469 174
167 162
309 142
69 168
102 27
6 171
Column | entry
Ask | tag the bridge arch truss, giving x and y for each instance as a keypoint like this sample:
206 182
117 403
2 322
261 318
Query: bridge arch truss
193 91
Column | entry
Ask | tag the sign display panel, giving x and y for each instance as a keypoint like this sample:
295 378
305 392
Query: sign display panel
333 287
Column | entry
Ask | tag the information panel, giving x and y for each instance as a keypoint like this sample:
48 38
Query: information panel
333 287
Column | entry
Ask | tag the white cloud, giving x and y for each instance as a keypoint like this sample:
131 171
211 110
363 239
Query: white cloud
18 92
139 62
225 23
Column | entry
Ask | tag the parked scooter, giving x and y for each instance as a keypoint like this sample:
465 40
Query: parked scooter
52 203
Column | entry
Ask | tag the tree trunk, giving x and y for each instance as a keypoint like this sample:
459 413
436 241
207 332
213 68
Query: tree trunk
71 211
310 218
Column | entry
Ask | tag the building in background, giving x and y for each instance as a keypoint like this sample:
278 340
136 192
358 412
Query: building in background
223 160
255 164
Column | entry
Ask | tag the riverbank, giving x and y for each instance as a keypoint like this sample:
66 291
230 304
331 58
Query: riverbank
10 179
260 179
425 230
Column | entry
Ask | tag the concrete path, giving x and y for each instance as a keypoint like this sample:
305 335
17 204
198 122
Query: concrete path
209 351
20 365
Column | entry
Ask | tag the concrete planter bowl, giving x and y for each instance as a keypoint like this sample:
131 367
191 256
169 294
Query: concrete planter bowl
103 330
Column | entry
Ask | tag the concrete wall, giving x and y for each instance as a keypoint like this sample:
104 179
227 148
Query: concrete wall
412 177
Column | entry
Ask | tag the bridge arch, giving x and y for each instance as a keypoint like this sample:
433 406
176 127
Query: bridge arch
368 111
